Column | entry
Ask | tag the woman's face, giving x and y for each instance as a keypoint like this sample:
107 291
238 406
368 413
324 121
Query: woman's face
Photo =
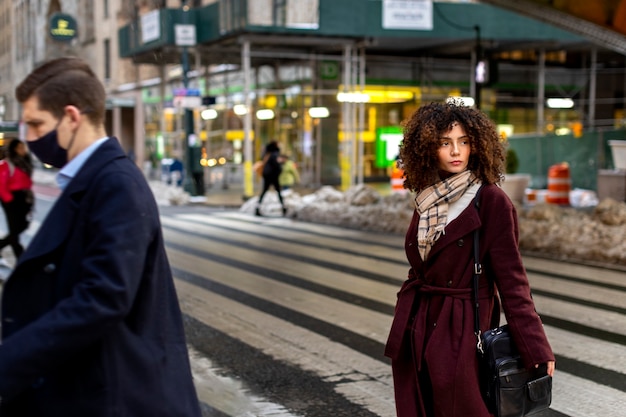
20 149
454 150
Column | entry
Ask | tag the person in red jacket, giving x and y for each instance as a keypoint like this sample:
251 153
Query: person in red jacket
16 193
449 151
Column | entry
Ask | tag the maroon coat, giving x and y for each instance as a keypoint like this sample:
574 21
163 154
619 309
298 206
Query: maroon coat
432 337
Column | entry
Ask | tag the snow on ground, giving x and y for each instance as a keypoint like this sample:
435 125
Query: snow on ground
586 234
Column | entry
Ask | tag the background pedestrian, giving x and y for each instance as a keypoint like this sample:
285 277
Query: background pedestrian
271 171
16 194
289 175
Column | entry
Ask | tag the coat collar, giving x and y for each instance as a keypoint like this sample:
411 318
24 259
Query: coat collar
107 152
57 224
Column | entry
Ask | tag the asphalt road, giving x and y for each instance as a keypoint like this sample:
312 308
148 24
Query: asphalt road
286 318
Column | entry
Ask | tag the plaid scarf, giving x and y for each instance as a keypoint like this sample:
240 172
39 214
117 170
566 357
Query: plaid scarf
432 205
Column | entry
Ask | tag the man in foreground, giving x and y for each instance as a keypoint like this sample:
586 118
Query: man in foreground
90 318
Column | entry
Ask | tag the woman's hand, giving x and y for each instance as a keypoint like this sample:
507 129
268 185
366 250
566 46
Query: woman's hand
550 369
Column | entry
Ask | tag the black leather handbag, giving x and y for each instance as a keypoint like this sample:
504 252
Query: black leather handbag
508 388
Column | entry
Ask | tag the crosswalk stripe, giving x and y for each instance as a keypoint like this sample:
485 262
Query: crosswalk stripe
569 270
591 293
581 315
578 397
577 346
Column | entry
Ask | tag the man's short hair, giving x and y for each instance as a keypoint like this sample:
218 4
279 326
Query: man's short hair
63 82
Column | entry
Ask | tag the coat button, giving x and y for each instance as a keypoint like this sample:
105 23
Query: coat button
50 268
460 242
449 283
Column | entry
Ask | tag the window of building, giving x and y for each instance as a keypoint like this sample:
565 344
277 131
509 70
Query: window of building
280 12
88 31
302 14
107 59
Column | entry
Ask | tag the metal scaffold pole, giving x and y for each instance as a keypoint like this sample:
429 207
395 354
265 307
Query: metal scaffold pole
248 185
188 182
345 158
361 118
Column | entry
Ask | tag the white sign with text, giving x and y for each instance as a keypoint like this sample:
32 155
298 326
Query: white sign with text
408 14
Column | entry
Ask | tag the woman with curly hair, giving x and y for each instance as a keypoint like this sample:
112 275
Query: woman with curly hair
448 153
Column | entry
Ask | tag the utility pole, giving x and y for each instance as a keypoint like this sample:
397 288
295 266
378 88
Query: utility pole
480 66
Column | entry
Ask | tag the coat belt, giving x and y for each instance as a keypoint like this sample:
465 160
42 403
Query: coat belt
402 316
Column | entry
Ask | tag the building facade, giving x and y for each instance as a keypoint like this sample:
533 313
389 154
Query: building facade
331 80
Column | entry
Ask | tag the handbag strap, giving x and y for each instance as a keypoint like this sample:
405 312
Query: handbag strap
478 269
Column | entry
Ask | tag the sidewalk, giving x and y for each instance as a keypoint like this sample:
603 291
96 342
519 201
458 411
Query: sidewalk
231 197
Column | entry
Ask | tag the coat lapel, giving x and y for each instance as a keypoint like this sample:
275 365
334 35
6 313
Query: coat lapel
58 223
463 225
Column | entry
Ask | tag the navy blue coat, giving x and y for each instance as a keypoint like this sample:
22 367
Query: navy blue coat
90 317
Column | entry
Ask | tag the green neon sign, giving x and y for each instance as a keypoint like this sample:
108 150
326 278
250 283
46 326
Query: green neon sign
388 139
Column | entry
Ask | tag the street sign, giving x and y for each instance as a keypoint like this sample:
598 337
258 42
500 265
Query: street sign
185 35
187 102
178 92
151 26
9 126
62 27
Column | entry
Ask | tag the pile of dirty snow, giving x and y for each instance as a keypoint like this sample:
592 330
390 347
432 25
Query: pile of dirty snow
590 234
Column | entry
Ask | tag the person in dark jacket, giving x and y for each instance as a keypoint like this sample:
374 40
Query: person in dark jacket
91 323
448 152
16 193
272 167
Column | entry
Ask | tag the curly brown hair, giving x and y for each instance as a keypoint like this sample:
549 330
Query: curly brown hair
422 131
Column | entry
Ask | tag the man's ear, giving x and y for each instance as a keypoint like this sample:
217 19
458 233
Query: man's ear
73 113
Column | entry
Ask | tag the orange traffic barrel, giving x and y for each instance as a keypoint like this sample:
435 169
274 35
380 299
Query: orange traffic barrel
397 182
559 184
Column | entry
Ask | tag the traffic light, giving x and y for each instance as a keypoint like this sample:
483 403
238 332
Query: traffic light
486 72
482 71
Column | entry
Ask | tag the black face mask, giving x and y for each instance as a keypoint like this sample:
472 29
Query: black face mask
47 149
